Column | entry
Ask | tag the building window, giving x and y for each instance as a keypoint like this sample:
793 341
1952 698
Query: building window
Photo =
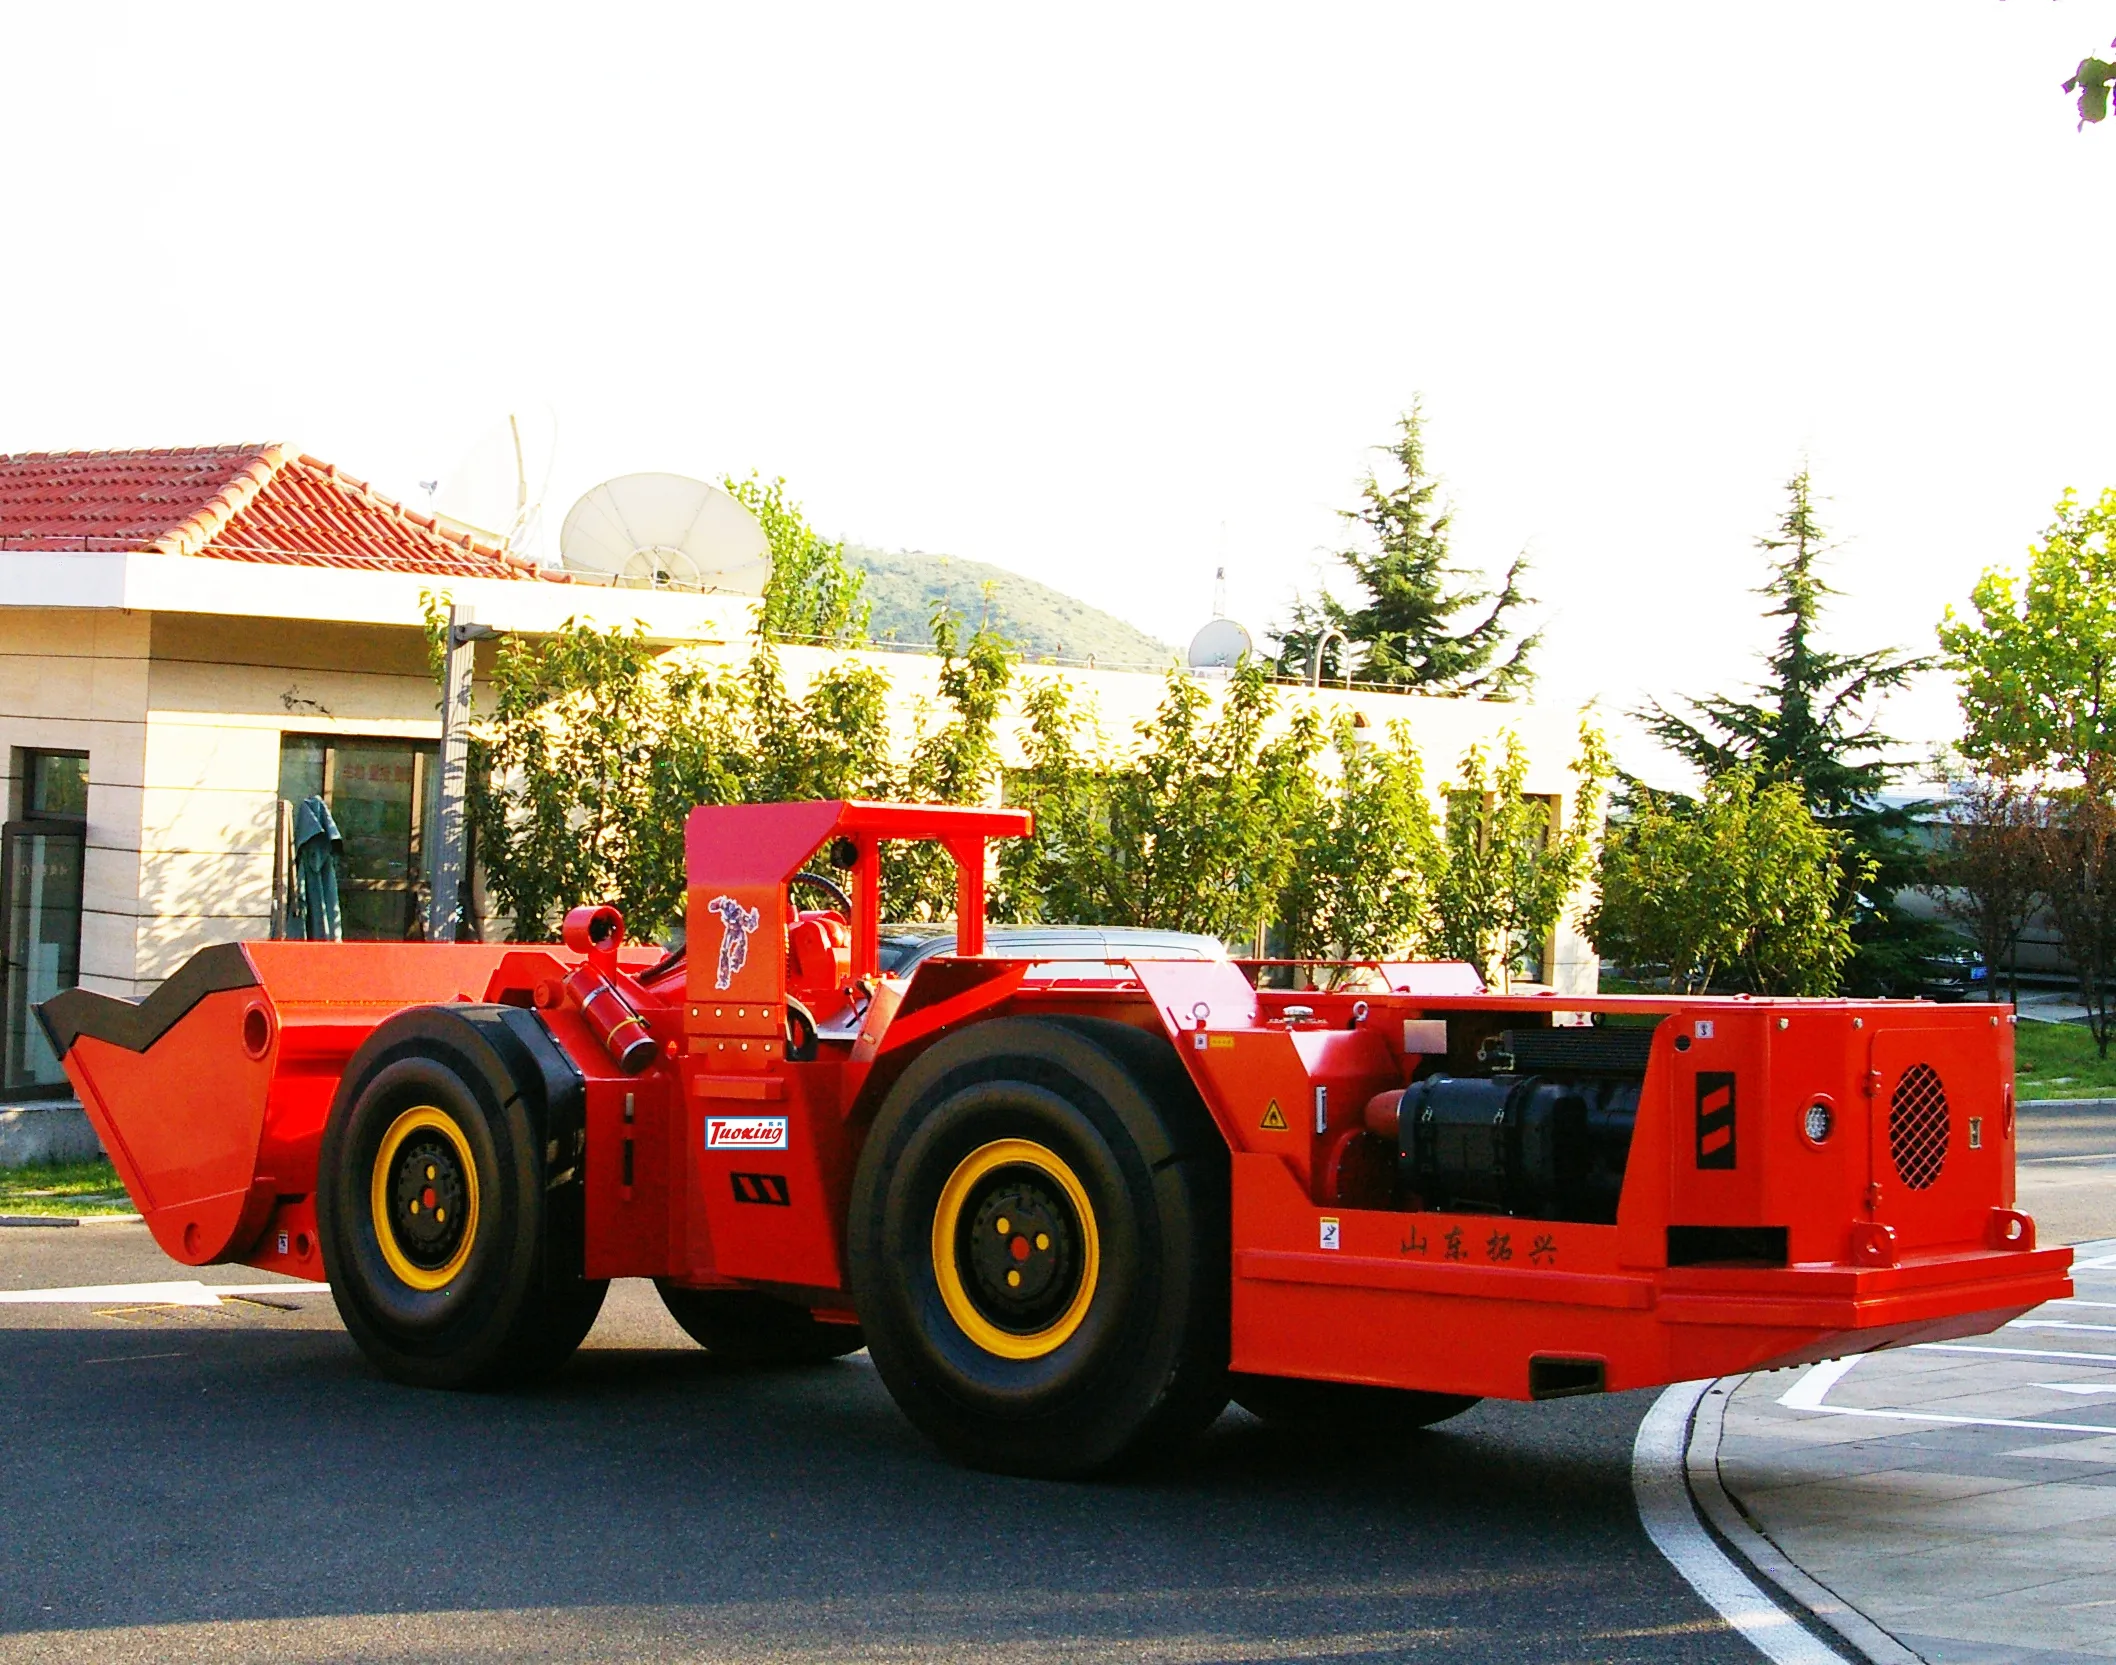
379 795
55 785
41 858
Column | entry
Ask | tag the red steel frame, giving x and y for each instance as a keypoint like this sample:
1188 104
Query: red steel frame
213 1115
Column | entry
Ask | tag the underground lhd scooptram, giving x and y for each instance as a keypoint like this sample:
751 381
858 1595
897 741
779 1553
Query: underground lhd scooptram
1069 1208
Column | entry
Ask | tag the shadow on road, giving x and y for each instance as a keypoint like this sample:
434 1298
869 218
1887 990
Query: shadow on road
219 1490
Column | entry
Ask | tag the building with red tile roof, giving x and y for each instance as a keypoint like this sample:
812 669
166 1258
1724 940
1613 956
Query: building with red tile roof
195 640
262 503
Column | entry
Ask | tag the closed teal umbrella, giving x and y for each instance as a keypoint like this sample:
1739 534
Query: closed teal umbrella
317 849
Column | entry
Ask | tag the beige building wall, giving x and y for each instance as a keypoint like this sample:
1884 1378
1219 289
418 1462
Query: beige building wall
222 695
75 680
182 717
179 676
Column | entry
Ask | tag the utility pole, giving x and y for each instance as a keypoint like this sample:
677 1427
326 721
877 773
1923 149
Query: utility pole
445 842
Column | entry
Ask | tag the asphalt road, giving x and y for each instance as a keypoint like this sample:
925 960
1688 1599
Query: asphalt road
233 1483
2066 1168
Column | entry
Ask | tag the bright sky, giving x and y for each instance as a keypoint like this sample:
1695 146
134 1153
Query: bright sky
1111 296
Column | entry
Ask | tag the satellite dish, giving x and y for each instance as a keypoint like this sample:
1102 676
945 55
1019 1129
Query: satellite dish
1220 645
666 532
497 486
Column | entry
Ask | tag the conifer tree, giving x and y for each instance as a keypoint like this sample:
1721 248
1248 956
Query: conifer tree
1419 620
1811 722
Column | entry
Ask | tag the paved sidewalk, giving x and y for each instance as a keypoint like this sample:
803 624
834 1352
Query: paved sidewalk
1962 1496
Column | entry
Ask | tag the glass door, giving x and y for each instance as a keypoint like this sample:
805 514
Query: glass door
40 931
379 793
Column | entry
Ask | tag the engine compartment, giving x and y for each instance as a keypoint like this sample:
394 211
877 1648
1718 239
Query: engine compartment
1542 1130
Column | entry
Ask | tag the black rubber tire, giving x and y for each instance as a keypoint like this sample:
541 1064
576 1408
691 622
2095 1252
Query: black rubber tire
1146 1368
508 1317
746 1326
1343 1410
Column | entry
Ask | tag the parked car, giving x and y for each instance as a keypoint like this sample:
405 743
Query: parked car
904 946
1956 974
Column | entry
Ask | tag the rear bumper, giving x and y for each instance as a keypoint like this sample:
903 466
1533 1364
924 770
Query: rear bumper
1971 1284
1470 1304
1480 1331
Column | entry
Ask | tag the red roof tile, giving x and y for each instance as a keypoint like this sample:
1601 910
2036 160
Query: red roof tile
233 502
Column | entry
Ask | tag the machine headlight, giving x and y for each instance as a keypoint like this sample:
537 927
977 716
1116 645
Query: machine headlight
1819 1122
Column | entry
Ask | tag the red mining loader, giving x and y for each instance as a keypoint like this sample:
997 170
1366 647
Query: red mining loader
1069 1208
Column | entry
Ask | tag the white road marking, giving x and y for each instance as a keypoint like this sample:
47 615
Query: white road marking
187 1293
2094 1265
1807 1393
1670 1519
2058 1324
2073 1387
2014 1352
2103 1428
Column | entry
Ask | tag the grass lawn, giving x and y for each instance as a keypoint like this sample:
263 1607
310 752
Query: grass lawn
63 1188
2058 1060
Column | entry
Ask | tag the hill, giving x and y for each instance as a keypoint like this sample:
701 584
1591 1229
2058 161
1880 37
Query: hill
904 585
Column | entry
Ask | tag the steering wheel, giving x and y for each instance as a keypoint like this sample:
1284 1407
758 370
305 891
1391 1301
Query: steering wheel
828 886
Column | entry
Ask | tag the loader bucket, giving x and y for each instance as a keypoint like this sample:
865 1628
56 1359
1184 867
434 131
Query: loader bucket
211 1093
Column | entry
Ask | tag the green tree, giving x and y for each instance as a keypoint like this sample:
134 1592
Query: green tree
1420 621
2079 879
1990 871
2036 667
1508 863
588 765
2036 674
1213 820
954 763
700 753
814 594
1064 780
1192 830
1743 885
596 750
557 769
1811 723
1363 885
831 743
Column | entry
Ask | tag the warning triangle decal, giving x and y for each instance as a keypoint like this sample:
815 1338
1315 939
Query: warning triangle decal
1274 1118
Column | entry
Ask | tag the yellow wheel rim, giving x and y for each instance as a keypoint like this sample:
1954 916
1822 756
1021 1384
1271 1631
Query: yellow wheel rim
423 1197
1050 1252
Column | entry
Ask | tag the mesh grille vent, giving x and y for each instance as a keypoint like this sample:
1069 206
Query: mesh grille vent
1917 1126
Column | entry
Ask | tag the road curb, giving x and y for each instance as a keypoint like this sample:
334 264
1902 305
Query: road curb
54 1130
1722 1511
68 1220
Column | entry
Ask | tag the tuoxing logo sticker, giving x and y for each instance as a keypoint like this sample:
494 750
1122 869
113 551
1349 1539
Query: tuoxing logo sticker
736 923
745 1133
